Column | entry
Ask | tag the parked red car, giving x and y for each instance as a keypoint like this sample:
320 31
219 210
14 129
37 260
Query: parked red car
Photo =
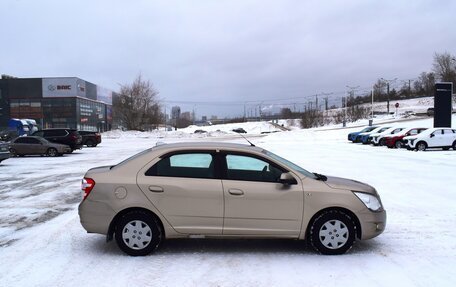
395 140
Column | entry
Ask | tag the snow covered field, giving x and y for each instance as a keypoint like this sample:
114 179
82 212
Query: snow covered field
43 244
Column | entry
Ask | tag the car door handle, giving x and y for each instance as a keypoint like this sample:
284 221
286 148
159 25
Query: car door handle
155 188
234 191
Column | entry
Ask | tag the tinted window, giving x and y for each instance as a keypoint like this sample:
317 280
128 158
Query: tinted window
195 165
33 141
20 140
448 131
241 167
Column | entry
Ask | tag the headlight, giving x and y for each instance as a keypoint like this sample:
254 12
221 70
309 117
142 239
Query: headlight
370 201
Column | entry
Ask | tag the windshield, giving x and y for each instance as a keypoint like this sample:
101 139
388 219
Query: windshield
290 164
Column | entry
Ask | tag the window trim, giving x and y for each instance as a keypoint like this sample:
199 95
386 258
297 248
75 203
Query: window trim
224 165
213 153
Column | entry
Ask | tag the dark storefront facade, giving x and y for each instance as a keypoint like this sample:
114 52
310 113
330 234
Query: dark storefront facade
56 103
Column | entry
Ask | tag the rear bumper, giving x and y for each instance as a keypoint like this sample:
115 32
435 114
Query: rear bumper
95 216
372 224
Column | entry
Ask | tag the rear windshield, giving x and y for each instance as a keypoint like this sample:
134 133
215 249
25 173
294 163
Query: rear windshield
132 158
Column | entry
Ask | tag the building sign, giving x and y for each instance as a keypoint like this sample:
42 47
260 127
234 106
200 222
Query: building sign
63 88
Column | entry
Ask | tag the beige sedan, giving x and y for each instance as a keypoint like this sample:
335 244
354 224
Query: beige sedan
225 190
32 145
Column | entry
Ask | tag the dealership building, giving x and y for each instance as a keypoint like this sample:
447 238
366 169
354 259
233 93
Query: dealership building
62 102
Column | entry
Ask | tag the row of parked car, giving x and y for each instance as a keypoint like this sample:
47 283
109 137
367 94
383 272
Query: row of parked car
49 142
416 138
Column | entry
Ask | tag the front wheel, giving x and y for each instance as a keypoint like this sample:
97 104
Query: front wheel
421 146
382 142
333 232
52 152
454 145
397 144
137 233
13 152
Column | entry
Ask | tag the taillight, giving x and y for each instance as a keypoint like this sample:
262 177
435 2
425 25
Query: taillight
74 137
87 186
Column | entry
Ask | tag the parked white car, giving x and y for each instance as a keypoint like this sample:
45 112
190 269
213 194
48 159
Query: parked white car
379 138
432 138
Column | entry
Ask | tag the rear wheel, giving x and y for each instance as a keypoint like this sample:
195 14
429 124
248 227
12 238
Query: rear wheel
397 144
90 143
421 146
382 142
454 145
332 233
446 148
138 233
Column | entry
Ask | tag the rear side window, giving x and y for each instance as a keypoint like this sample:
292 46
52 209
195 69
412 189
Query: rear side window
20 140
193 165
448 131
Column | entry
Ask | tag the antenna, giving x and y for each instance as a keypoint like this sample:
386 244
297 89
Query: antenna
251 144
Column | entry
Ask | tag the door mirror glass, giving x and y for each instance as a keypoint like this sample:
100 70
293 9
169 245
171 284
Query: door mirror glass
287 178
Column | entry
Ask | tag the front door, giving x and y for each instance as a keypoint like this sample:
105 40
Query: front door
255 202
186 190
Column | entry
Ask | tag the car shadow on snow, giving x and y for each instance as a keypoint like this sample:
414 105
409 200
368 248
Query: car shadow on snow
186 246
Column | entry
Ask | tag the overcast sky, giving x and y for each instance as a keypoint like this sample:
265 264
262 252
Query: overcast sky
216 56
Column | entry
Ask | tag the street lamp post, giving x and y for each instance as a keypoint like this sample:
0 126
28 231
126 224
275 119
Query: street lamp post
388 93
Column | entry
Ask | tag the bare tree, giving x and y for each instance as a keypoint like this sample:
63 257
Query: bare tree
424 85
380 90
444 67
137 106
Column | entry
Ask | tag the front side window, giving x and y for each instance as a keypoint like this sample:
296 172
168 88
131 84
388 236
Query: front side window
193 165
241 167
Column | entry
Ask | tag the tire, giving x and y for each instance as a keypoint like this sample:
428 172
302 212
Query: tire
398 144
446 148
332 228
454 145
13 152
382 142
421 146
134 225
52 152
90 143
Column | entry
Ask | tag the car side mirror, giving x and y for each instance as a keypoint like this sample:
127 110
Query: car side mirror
432 135
287 179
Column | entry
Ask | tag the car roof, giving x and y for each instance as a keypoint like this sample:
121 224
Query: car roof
206 145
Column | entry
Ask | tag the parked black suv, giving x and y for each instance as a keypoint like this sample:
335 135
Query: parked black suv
69 137
90 139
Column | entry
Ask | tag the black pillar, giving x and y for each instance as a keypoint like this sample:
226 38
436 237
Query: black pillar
443 104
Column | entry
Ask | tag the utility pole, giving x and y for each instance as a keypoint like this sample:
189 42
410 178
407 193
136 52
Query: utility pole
388 92
316 102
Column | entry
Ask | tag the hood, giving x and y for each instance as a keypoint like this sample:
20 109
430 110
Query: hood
349 184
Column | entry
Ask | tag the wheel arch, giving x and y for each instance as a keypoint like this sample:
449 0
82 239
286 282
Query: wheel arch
113 224
337 208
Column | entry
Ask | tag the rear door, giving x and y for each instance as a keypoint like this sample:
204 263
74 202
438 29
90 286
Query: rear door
255 202
186 189
448 137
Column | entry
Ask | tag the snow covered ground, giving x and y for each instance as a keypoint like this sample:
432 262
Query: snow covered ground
43 244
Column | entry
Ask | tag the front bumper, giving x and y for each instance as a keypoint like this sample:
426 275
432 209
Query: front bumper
372 223
4 155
